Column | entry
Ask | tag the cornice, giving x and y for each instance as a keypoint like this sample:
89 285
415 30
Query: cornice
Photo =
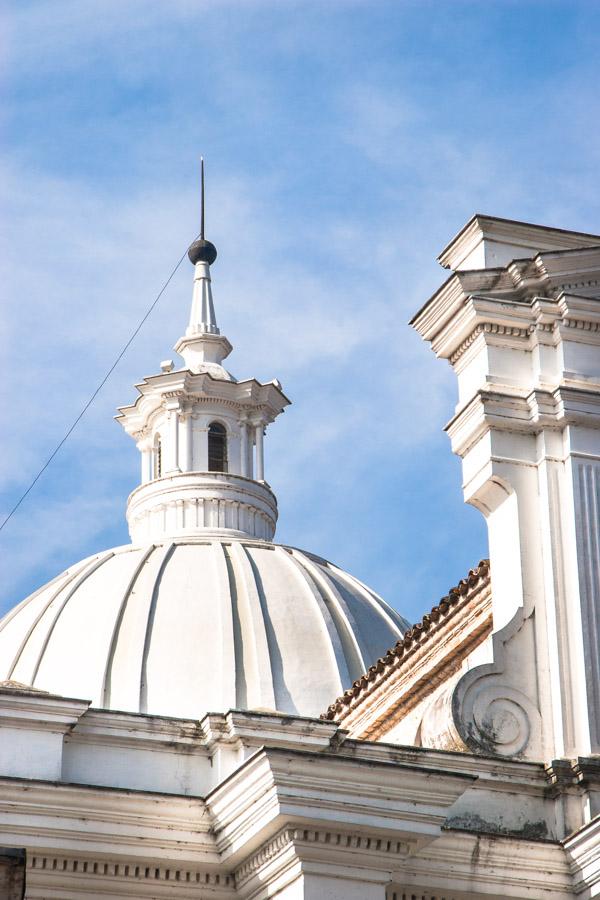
497 409
279 785
263 856
105 806
344 845
582 325
495 865
104 874
258 729
508 231
489 328
507 317
186 386
457 249
532 299
583 852
505 773
100 727
493 328
246 487
29 709
464 345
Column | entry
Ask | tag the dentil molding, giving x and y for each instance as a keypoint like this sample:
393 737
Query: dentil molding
302 840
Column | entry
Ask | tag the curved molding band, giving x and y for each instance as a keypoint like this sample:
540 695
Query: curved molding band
194 503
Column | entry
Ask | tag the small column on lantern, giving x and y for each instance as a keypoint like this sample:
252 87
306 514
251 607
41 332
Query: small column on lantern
145 447
260 454
250 454
173 431
187 442
201 445
243 449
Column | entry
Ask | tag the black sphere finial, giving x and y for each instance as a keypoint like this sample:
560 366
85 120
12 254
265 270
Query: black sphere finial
201 250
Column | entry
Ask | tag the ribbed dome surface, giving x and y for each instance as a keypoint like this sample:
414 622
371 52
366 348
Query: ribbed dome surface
187 627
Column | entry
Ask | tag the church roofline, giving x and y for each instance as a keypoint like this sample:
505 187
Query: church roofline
420 633
510 231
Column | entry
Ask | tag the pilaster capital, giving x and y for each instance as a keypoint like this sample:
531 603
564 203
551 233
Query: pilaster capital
142 435
365 857
186 407
144 443
173 400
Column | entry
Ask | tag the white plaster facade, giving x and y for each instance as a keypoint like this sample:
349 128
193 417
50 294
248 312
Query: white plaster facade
524 340
460 765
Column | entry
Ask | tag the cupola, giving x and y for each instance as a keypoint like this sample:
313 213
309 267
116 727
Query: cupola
200 433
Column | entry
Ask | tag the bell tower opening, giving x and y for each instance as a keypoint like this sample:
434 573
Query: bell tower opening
217 447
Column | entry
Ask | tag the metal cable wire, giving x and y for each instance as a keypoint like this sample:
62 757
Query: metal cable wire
89 402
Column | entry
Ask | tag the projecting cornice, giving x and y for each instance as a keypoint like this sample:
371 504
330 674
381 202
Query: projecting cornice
576 404
494 237
162 826
28 709
275 787
296 848
257 729
524 294
188 388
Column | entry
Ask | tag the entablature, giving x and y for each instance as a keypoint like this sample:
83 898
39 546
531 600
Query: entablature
529 414
187 390
519 295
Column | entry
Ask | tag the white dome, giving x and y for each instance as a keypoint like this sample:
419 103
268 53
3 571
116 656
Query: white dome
188 626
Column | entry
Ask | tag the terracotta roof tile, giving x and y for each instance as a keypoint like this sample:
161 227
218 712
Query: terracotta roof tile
417 634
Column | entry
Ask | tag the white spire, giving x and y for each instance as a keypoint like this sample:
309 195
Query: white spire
202 316
203 347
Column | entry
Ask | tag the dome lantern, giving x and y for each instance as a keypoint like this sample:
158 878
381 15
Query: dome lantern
200 433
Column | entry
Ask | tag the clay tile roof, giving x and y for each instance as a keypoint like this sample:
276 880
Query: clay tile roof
415 635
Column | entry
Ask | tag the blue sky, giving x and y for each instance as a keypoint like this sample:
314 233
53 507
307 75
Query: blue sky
346 142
